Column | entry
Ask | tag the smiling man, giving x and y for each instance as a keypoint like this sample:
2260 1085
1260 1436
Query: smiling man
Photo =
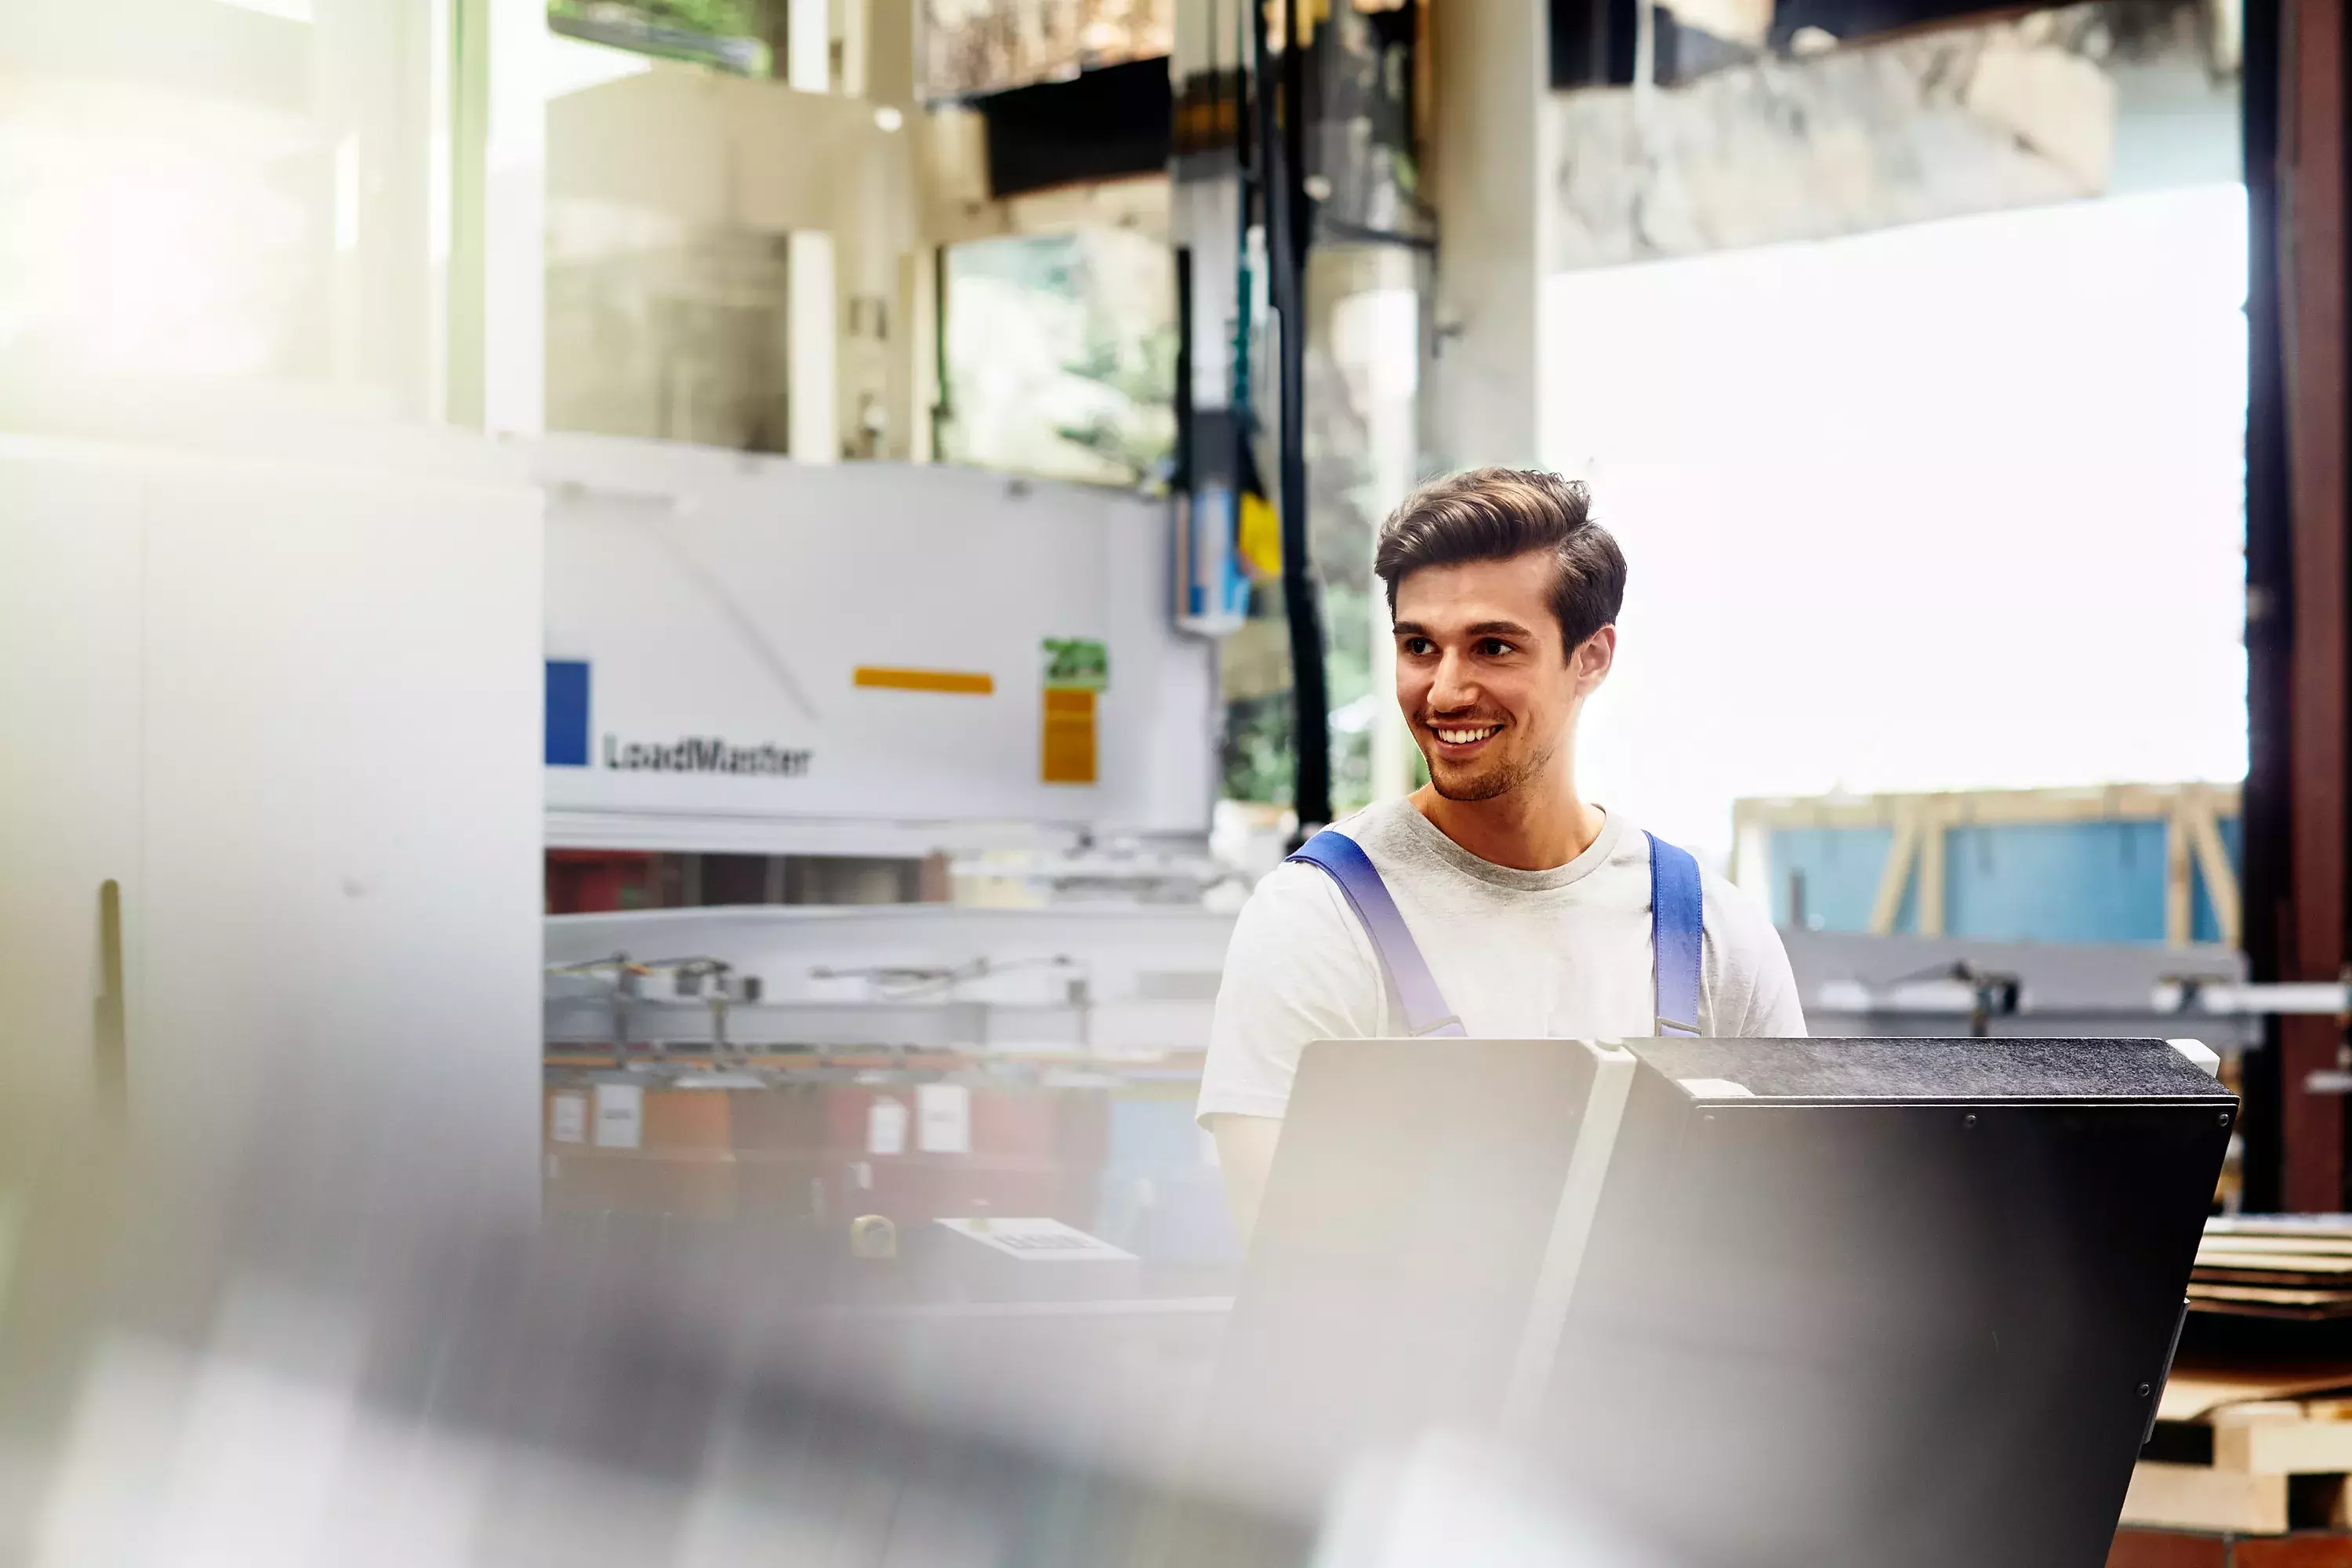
1495 901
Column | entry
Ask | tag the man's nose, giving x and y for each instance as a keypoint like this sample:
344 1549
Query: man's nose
1453 687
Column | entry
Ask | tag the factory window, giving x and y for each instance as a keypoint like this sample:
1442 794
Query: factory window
975 47
1957 506
817 47
1060 356
190 209
731 35
663 329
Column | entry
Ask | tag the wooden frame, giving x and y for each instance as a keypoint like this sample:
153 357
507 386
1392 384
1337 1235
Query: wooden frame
2192 815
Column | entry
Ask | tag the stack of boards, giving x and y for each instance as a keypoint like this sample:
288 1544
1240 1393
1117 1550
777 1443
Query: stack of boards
2291 1265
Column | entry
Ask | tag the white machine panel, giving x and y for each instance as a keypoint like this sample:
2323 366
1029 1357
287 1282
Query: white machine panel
725 605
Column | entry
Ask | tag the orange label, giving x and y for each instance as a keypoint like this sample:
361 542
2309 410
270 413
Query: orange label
962 682
1069 738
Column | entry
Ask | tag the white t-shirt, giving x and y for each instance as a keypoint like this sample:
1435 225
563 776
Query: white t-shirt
1557 955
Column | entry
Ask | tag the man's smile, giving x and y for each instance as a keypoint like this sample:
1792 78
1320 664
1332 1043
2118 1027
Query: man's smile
1460 739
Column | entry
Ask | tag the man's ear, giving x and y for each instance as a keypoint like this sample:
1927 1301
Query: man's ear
1594 659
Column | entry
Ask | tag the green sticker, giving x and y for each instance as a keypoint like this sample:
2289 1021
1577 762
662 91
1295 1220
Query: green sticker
1076 664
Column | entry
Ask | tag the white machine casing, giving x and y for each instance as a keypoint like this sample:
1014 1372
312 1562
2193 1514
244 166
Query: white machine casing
729 597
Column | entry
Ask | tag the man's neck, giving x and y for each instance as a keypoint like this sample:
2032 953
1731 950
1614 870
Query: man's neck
1527 829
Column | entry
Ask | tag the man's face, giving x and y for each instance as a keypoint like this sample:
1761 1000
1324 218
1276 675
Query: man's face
1482 677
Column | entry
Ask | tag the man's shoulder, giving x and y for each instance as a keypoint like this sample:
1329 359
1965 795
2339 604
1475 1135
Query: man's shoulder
1296 904
1295 919
1384 830
1291 893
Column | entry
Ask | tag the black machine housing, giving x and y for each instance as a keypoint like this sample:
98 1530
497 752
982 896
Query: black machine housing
1843 1301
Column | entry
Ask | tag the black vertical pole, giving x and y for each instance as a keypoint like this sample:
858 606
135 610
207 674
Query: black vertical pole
1180 481
1283 192
2265 872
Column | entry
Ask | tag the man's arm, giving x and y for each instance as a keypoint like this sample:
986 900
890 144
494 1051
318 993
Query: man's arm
1245 1155
1300 968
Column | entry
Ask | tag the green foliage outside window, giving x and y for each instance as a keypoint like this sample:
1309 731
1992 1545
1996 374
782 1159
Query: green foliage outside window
714 18
728 34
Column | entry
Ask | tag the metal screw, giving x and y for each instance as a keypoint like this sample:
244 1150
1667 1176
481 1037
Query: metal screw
2225 1119
1968 1121
2143 1391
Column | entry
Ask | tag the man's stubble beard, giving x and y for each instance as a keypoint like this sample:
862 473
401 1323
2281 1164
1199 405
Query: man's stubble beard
1496 782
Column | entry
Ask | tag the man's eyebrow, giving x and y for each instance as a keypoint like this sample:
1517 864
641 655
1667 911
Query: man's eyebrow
1481 629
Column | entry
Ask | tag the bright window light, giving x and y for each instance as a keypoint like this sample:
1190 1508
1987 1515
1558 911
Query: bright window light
1953 506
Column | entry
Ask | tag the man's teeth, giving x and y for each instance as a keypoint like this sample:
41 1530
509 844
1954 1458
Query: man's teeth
1466 737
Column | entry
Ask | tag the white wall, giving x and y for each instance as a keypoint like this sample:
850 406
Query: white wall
1952 506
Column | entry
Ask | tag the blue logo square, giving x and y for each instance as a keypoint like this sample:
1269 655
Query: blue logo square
567 712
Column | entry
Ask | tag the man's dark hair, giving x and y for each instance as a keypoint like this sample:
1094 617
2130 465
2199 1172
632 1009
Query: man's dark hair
1493 514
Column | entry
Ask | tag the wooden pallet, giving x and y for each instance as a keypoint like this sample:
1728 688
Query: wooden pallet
2256 1468
2274 1268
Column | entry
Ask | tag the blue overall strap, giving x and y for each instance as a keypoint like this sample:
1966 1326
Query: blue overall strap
1344 861
1677 911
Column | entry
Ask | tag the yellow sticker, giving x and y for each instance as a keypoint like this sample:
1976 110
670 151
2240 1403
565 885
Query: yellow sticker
1261 534
1069 737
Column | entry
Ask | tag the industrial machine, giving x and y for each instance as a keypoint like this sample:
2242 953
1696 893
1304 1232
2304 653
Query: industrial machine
1763 1301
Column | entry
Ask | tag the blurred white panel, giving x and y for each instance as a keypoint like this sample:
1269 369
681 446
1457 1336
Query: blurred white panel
118 1455
262 1437
339 899
1955 506
408 1494
1457 1497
